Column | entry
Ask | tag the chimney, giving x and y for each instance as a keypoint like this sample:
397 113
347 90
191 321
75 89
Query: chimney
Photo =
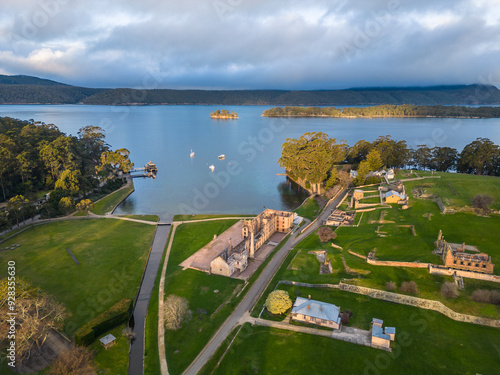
309 307
309 297
321 308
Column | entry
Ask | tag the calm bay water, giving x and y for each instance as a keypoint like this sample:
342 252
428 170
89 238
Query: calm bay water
247 180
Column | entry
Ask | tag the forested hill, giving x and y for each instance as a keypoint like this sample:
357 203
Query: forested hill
32 90
404 110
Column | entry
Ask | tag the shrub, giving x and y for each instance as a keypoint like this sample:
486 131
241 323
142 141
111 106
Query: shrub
390 286
486 296
449 290
278 302
482 203
326 234
481 296
409 287
76 361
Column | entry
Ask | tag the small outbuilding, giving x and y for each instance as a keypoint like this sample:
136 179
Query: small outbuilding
108 341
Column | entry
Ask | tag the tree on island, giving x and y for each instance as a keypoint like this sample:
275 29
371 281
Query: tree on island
278 302
224 113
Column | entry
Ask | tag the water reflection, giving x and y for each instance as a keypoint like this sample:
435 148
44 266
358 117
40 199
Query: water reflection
291 194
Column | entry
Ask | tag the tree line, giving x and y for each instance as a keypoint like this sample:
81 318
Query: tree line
405 110
36 158
311 160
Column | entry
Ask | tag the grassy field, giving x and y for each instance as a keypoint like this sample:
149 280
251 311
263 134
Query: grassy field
303 267
205 293
112 256
152 218
457 189
113 361
109 202
400 244
426 343
309 209
203 217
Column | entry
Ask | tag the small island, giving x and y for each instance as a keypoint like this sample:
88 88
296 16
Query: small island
224 114
405 110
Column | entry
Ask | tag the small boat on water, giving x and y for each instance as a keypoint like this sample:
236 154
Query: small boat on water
212 167
191 155
222 157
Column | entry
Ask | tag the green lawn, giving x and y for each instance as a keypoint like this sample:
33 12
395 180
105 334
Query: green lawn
457 189
109 202
303 267
199 288
400 244
309 209
113 361
153 218
112 256
426 343
203 217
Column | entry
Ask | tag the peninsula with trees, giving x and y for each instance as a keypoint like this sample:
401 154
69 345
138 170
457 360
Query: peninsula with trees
223 114
404 110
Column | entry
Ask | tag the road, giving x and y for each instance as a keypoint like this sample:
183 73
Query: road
256 290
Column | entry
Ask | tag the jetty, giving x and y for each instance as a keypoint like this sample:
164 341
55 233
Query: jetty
149 170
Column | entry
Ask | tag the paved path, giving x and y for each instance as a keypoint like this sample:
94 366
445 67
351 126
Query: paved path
256 290
136 364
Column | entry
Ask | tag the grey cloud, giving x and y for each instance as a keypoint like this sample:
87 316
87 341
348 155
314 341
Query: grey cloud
255 44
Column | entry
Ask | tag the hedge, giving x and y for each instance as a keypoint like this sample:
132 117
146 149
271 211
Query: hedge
116 315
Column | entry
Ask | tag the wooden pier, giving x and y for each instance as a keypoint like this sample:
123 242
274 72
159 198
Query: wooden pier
149 170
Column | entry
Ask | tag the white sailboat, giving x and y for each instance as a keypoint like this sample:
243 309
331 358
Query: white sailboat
212 167
191 155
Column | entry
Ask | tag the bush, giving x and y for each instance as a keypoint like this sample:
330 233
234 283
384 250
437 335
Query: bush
486 296
482 203
76 361
326 234
449 290
409 287
390 286
278 302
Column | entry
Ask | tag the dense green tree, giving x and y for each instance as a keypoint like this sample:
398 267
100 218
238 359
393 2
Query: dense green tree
7 160
15 207
422 157
310 158
443 158
358 152
69 181
479 157
392 153
374 160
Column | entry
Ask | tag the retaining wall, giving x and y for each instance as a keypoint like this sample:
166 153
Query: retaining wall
397 264
403 300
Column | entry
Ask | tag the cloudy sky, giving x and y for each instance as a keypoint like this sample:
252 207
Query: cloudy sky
252 44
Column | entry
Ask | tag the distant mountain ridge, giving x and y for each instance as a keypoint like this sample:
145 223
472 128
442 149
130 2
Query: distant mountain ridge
33 90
